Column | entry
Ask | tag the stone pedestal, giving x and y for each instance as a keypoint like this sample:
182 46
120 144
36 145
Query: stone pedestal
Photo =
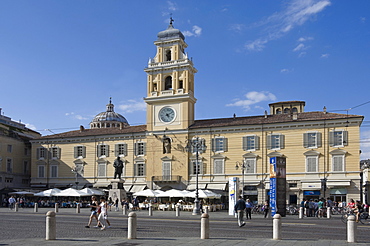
117 190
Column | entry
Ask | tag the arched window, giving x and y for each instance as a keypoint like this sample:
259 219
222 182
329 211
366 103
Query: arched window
286 111
278 111
168 55
168 83
294 110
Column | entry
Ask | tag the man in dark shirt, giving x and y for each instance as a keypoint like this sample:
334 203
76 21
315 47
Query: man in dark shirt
239 208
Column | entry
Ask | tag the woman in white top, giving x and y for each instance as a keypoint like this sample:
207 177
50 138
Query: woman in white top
103 213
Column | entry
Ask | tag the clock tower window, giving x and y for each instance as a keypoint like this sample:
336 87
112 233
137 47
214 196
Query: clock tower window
181 84
168 83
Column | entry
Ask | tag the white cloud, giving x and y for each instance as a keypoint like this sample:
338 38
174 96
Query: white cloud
171 6
296 13
252 98
299 47
286 70
132 106
365 145
304 39
237 27
324 56
196 32
256 45
76 116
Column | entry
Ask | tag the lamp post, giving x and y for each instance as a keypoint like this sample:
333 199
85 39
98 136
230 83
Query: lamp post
243 166
196 145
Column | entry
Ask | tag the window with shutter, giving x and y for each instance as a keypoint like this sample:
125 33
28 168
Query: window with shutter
338 163
311 163
55 152
139 169
218 166
166 170
275 141
41 171
250 143
250 165
54 171
79 151
194 167
140 149
219 144
102 169
120 149
338 138
41 153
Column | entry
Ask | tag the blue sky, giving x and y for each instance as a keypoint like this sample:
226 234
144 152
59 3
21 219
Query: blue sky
61 61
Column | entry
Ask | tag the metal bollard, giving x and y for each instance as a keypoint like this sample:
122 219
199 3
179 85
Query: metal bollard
132 225
204 226
16 207
351 229
36 208
301 212
276 227
150 211
51 225
78 209
56 207
177 211
124 210
328 212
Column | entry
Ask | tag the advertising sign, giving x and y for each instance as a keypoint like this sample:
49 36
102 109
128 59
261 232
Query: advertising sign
233 194
278 186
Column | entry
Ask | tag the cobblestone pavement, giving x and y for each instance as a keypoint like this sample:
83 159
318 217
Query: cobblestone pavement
163 228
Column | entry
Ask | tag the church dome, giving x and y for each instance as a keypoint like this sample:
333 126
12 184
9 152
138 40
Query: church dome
170 33
108 119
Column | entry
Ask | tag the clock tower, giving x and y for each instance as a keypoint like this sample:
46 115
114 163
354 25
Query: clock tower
170 78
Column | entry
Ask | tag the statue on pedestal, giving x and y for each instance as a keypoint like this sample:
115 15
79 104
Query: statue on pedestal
118 165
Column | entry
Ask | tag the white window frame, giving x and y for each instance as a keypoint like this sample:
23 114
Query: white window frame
310 158
250 143
140 148
102 169
41 170
219 166
55 152
312 140
79 151
338 138
41 153
219 144
276 141
250 164
121 149
103 150
334 159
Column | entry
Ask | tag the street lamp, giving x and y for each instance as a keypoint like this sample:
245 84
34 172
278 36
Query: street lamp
243 166
196 145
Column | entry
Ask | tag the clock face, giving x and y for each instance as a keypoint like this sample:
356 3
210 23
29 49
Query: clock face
167 114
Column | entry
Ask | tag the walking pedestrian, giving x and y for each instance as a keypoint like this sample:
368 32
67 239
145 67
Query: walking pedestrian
248 209
94 213
103 213
266 208
11 202
239 209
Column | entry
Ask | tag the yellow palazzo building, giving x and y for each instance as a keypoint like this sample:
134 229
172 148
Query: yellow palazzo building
322 149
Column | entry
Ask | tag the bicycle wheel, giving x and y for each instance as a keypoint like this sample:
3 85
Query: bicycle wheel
344 218
364 218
